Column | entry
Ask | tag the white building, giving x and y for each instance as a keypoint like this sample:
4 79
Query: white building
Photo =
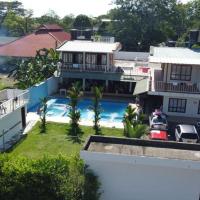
131 169
13 110
175 80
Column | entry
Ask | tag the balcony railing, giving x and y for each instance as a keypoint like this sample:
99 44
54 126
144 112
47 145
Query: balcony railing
12 104
125 71
161 86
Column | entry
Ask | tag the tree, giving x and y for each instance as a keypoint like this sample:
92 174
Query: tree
67 22
97 92
74 94
133 123
49 18
82 22
34 70
43 112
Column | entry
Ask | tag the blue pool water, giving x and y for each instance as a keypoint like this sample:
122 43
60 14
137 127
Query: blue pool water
111 111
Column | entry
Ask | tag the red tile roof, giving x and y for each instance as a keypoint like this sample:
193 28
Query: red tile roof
28 45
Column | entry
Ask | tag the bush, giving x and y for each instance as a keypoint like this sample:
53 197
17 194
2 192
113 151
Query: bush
55 178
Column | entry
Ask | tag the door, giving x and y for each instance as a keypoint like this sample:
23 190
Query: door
23 114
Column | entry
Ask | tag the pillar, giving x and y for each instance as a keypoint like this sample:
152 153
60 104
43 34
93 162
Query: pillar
107 85
130 86
83 60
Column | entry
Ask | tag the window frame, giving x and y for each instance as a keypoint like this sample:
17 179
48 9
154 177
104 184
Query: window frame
180 106
181 72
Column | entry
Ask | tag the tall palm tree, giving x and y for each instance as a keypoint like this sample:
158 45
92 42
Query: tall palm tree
97 91
43 112
74 94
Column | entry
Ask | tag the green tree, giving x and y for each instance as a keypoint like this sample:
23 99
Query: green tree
82 22
49 18
96 108
67 22
74 94
43 112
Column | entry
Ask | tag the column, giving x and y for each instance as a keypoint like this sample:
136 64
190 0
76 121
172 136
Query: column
83 60
130 86
108 62
106 85
83 84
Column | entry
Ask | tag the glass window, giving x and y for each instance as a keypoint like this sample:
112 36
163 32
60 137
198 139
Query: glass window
177 105
91 59
67 57
181 72
104 59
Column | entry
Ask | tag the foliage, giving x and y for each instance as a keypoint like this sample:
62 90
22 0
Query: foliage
67 22
196 46
43 112
46 178
74 94
49 18
82 22
96 108
34 70
133 123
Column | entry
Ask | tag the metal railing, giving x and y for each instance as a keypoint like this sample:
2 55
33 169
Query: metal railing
14 103
177 87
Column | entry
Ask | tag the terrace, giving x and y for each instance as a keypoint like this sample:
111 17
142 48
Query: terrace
12 99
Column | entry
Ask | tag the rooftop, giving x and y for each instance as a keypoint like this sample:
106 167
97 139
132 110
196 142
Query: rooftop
146 148
174 55
89 46
28 45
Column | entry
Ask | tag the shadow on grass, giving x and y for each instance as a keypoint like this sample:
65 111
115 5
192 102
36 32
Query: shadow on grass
75 134
16 144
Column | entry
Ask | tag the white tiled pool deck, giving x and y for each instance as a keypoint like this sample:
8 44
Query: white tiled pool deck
34 117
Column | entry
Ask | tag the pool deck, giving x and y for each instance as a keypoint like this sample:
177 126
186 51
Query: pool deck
34 117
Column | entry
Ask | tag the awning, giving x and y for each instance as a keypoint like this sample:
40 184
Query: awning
141 87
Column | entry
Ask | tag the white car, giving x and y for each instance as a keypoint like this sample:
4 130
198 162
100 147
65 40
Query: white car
186 133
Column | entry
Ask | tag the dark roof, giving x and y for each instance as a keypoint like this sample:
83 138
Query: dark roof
28 45
50 27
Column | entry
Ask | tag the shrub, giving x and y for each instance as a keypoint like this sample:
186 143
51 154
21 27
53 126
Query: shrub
49 178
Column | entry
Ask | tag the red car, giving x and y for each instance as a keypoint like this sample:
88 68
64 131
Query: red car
158 135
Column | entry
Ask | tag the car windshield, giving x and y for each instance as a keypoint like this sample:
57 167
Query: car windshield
189 136
159 119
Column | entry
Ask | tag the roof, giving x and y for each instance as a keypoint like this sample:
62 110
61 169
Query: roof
174 55
28 45
89 46
50 27
143 148
135 56
5 39
141 86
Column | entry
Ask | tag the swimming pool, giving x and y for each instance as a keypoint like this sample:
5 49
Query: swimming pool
112 111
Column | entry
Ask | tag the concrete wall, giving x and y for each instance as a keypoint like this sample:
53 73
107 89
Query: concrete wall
9 121
191 107
140 178
44 89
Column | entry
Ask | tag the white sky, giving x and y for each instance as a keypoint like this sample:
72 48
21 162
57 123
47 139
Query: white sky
66 7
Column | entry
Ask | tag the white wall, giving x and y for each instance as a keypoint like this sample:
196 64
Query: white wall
191 107
142 178
7 122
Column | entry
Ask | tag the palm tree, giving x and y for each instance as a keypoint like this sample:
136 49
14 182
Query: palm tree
97 91
74 94
43 112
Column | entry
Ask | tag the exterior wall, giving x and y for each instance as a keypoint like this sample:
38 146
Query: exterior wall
130 177
191 106
42 90
194 77
8 122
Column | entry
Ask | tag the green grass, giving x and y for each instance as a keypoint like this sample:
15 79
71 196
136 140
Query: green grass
55 141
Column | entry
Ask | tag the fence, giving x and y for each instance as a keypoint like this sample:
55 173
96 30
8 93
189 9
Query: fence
44 89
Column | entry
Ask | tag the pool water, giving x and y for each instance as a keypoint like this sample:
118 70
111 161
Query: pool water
111 111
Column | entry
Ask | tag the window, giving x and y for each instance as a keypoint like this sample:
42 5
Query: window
67 57
78 58
177 105
181 72
91 59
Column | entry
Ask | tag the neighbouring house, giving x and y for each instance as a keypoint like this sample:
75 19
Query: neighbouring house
46 36
141 169
101 63
13 108
175 81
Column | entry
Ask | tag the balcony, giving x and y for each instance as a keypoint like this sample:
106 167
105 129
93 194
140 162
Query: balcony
160 86
12 99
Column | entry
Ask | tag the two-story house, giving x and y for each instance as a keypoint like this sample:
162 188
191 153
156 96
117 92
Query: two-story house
99 63
175 80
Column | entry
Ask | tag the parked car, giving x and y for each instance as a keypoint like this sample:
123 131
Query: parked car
186 133
158 120
158 135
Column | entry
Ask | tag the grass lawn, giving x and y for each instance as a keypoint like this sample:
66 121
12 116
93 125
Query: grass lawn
55 141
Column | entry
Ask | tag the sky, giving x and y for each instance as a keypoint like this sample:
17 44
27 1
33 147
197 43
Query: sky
65 7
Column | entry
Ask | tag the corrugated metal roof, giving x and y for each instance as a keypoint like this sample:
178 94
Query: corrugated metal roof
141 86
89 46
174 55
136 56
